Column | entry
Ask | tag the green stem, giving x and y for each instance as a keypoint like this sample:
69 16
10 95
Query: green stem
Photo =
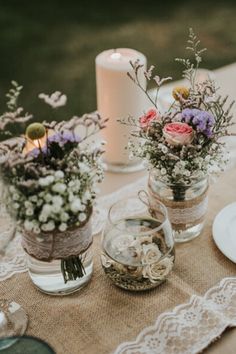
72 268
145 91
179 193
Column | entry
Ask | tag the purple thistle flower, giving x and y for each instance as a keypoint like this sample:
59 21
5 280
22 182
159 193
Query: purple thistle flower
203 121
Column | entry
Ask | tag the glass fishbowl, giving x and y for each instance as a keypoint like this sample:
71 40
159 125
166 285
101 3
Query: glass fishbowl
137 249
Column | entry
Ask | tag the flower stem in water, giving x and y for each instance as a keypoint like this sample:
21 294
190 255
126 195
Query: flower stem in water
72 268
179 193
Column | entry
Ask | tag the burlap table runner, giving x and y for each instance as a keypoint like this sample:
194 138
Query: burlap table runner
100 317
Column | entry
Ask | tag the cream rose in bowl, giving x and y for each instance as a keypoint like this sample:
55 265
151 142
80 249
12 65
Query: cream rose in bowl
178 134
159 270
151 253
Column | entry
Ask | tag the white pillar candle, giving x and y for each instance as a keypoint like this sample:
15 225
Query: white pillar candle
118 97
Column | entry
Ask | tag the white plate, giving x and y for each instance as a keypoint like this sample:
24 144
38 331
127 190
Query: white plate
224 231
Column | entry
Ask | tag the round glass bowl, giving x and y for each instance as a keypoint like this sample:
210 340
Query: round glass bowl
137 249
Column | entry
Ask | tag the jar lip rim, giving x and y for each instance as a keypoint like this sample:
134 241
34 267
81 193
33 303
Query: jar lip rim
144 233
194 181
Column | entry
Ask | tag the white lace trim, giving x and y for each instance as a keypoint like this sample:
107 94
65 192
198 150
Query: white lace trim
14 261
190 327
53 245
188 215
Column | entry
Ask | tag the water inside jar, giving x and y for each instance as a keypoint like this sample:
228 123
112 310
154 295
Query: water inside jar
123 241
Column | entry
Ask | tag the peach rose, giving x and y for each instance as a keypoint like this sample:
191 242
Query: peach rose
177 133
149 117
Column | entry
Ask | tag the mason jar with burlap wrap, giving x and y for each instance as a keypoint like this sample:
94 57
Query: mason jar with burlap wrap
59 263
186 204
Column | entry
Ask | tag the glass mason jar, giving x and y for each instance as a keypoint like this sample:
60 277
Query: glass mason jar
186 205
59 263
137 249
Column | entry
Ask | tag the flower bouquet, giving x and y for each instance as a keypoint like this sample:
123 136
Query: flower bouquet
50 179
183 145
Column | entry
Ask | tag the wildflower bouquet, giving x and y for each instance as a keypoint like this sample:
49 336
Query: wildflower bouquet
50 183
184 143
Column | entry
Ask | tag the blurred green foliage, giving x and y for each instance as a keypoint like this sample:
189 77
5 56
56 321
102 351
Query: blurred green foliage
51 45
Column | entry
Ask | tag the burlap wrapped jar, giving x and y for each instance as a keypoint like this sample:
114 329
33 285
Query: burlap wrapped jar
59 262
186 205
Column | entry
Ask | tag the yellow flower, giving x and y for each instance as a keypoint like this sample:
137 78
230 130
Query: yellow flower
180 91
35 131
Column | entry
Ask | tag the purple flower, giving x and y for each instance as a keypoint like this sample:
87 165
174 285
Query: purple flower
34 153
208 132
70 137
187 115
56 138
202 121
63 138
60 138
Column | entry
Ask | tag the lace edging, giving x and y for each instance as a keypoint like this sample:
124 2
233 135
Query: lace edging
190 327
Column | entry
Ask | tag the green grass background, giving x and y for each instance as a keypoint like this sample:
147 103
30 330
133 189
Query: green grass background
51 45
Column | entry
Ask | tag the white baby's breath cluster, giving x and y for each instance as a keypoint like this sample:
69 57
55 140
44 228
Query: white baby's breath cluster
61 199
185 167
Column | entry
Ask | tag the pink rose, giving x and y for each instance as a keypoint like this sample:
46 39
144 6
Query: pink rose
149 117
178 133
